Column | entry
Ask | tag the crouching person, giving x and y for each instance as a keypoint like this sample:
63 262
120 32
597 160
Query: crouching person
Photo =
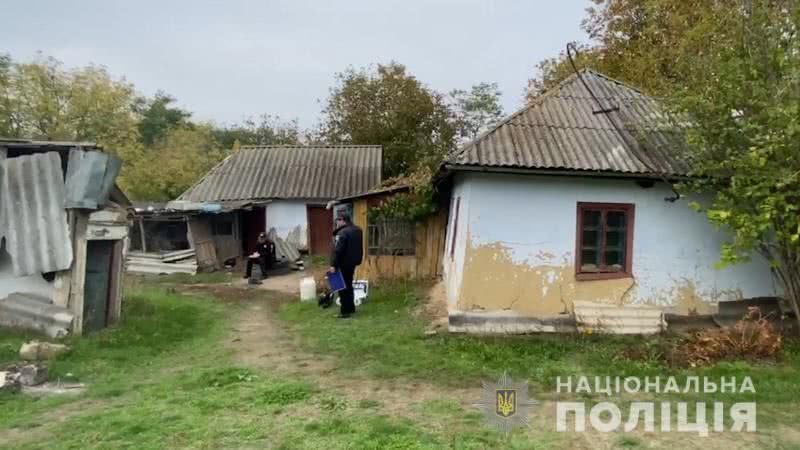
263 256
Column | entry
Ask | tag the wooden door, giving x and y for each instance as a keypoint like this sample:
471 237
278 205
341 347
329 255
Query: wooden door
97 286
253 223
320 230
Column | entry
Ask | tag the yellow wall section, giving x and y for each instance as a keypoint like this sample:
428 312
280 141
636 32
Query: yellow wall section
493 282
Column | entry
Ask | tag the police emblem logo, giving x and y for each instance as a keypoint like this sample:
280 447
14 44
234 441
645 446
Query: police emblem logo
505 404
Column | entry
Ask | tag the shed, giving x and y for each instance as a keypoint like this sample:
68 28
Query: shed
397 248
283 190
63 230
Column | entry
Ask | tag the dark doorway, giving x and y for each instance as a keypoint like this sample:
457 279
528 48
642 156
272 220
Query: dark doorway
254 222
99 256
320 230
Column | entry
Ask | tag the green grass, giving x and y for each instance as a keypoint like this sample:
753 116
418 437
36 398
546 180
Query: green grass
163 379
386 330
166 378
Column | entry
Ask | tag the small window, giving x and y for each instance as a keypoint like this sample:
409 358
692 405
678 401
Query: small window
604 241
395 237
223 225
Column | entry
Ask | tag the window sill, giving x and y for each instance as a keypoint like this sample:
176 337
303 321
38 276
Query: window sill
590 276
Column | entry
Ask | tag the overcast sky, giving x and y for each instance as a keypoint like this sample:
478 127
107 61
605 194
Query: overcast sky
226 60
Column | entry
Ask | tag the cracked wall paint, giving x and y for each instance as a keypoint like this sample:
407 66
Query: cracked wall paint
515 246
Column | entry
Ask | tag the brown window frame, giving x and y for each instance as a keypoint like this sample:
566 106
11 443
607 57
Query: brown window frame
630 216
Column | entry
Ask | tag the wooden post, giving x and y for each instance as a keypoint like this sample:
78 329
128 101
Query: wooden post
116 282
141 235
78 271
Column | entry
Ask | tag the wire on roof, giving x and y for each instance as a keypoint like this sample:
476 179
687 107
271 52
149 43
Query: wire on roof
572 49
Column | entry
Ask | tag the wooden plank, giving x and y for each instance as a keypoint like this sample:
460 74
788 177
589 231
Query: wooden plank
106 232
78 272
63 283
178 255
141 235
117 274
149 263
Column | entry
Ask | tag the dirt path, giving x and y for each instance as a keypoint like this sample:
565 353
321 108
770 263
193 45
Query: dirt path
259 340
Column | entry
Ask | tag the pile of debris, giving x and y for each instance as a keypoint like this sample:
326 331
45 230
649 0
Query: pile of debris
753 337
30 376
14 377
180 261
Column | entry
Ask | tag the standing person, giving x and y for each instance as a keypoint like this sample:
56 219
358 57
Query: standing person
263 256
347 253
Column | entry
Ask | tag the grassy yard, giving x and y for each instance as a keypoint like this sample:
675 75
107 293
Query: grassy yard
170 377
165 379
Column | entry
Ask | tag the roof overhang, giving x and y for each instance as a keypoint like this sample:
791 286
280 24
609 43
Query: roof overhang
448 169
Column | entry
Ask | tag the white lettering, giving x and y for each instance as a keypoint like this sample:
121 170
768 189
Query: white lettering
727 386
636 383
747 386
708 386
692 380
647 409
672 386
563 408
656 386
583 386
567 385
743 414
700 426
597 421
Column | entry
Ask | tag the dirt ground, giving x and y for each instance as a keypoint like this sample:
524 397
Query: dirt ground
259 340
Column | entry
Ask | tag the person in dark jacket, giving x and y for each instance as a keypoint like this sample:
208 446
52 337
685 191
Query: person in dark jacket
263 256
347 253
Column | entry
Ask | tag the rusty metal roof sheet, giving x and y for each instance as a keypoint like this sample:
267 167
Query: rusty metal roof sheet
268 172
563 130
34 218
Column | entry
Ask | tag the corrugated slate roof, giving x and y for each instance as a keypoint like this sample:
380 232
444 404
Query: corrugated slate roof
34 221
563 129
267 172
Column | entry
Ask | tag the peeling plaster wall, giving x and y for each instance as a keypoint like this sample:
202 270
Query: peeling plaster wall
290 220
515 245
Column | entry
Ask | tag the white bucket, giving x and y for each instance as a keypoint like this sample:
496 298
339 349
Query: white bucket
308 289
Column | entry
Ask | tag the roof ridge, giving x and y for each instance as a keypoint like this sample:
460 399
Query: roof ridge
537 100
277 146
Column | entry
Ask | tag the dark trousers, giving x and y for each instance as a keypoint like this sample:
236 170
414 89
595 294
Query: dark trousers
262 262
348 306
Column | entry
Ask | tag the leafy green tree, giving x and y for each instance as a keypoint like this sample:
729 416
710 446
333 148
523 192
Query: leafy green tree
743 106
158 117
650 44
388 106
475 110
264 130
174 163
6 99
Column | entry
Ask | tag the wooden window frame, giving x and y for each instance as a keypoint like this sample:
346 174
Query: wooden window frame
630 213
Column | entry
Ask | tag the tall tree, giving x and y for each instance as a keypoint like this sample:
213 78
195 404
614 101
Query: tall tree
475 110
388 106
264 130
743 106
174 163
647 43
158 117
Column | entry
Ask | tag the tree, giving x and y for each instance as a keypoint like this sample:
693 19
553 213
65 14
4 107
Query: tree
388 106
476 110
649 44
158 117
174 163
264 130
743 107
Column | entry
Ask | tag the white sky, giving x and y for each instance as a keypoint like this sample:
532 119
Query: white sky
226 60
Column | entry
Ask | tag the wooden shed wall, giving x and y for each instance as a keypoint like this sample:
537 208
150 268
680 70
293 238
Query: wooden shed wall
429 251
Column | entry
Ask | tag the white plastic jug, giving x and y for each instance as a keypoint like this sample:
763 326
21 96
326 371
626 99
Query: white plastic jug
308 289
